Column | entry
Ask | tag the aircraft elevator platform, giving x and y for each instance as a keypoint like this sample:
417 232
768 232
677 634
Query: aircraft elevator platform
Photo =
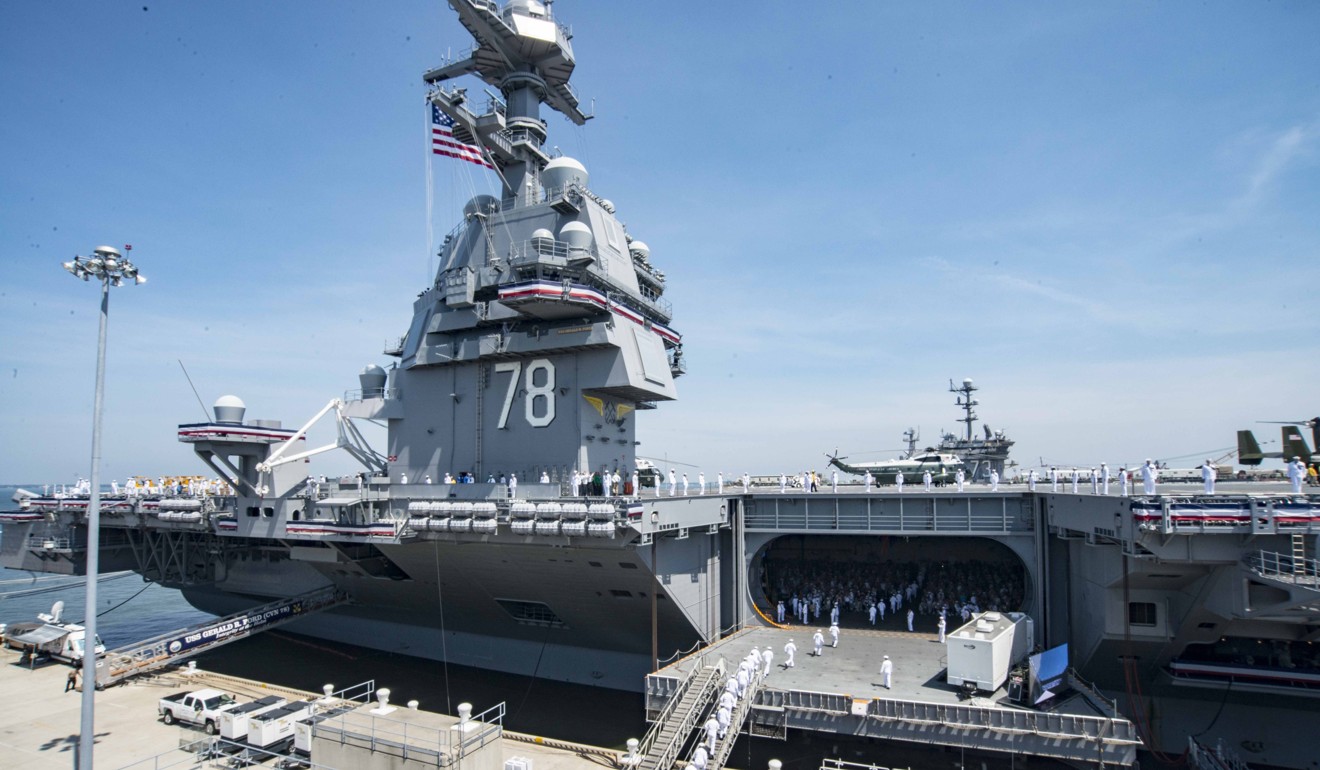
841 693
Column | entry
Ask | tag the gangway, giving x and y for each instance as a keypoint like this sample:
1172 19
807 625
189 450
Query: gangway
175 646
660 748
724 747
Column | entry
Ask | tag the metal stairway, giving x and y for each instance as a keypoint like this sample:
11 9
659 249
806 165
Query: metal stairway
659 750
724 746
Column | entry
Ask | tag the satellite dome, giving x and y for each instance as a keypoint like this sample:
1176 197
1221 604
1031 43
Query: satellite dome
639 249
542 240
576 235
563 171
967 382
107 251
229 409
481 203
372 380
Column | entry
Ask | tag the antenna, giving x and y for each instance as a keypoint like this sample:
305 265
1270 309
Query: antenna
194 390
966 401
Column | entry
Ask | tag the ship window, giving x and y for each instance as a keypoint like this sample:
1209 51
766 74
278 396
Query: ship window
530 613
1141 613
594 563
619 593
268 512
253 511
627 565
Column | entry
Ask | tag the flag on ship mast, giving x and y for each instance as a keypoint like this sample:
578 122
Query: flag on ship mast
444 143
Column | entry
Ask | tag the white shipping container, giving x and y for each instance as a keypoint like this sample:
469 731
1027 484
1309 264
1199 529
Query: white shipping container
984 650
274 726
234 723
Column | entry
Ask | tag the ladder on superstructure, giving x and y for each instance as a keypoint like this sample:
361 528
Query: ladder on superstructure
175 646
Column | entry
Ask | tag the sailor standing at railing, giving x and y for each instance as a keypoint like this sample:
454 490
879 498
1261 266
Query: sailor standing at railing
1149 475
747 481
1122 482
1076 477
1104 478
994 480
673 482
834 481
719 482
960 478
1031 480
869 481
1054 479
783 483
513 485
926 479
1095 482
1208 476
898 480
685 485
701 483
636 483
1296 474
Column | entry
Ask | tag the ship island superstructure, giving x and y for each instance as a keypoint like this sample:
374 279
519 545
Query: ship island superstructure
543 337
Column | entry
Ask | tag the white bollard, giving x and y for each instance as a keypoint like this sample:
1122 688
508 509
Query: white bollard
383 696
465 723
412 705
776 765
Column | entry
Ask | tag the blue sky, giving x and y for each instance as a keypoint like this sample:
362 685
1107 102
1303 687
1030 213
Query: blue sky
1104 213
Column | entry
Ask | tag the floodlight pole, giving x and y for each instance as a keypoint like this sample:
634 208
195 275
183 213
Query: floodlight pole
87 730
109 267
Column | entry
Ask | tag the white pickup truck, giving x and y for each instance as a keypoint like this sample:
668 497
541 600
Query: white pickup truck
202 707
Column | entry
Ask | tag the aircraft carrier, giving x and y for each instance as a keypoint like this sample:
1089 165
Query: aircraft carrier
543 338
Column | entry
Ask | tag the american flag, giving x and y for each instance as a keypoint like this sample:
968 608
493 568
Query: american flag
444 143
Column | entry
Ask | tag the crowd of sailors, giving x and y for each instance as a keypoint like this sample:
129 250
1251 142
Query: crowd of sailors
892 593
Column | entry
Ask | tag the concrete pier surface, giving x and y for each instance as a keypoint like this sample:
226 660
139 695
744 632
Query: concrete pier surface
39 723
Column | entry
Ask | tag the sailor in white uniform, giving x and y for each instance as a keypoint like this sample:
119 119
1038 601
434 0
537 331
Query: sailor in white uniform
673 482
994 480
869 481
1054 479
806 481
1296 474
779 612
1095 482
881 606
701 482
872 613
545 478
1208 476
685 485
818 639
724 716
960 478
1031 480
747 480
1104 479
834 633
834 613
636 483
783 483
513 485
887 672
926 479
1149 475
898 479
910 616
719 482
699 759
1123 482
403 478
941 626
790 650
1076 477
834 481
767 657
